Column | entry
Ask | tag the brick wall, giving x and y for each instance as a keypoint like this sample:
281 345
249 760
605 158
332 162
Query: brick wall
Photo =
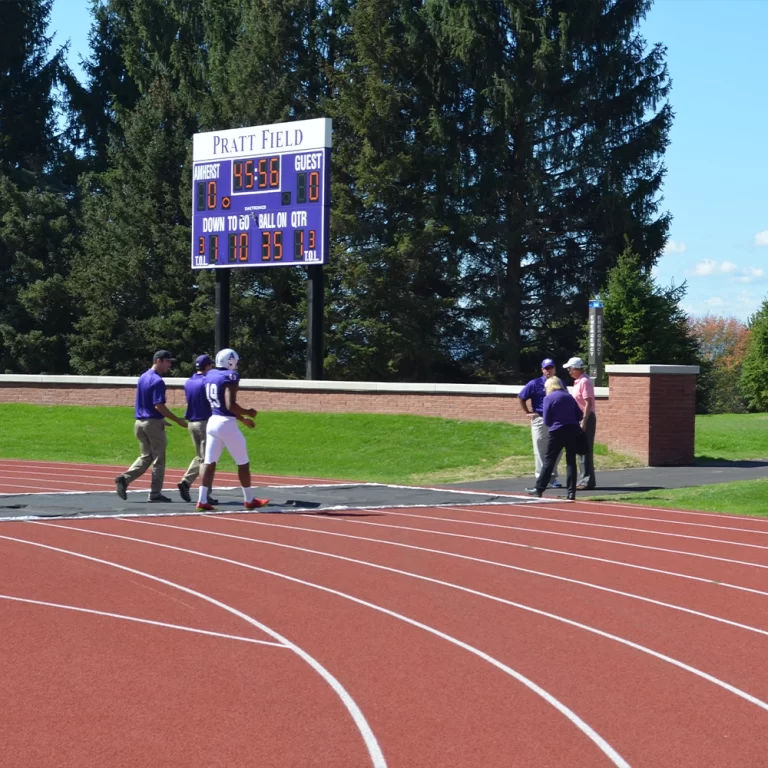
645 412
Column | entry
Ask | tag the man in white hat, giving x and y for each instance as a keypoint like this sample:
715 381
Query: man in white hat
584 394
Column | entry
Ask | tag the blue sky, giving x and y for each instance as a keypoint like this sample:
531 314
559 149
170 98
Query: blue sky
717 163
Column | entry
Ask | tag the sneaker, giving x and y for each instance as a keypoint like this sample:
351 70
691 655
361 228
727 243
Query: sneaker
557 484
256 503
533 492
121 486
204 506
211 500
160 498
183 487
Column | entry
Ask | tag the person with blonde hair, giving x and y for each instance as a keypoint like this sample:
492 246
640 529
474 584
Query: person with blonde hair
562 416
534 393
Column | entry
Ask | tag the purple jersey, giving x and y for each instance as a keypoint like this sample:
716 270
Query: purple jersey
534 391
216 381
149 392
198 407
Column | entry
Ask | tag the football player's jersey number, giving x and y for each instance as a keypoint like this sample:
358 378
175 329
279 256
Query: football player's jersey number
212 393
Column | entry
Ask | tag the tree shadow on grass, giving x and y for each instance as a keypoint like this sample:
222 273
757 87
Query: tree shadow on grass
713 461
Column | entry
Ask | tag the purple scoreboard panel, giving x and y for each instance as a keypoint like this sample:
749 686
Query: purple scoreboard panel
261 195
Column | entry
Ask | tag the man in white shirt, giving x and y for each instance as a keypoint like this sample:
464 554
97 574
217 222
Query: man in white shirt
584 394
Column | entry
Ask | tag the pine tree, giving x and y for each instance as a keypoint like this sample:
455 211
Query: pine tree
754 370
36 220
563 125
643 322
394 274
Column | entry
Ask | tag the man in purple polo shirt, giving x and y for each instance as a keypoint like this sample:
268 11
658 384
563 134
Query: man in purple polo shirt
197 415
533 391
151 413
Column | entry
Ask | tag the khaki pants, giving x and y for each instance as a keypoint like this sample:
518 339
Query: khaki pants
197 431
540 438
151 434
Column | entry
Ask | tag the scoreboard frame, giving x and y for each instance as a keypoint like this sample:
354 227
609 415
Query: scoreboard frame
261 195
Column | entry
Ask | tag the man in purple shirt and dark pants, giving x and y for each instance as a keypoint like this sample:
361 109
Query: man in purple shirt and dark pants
562 415
197 415
151 413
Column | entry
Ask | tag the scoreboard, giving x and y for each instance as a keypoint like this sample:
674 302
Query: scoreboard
261 195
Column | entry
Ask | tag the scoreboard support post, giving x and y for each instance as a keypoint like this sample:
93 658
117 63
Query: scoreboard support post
261 197
315 314
221 331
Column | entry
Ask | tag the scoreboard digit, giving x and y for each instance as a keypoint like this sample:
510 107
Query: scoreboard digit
261 195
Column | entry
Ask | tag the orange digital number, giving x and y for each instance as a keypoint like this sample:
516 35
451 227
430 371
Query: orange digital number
201 246
211 195
262 173
249 178
243 246
277 243
311 240
298 243
314 186
237 172
274 171
213 247
266 242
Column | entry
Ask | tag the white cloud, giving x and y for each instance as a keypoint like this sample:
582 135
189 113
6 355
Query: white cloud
761 238
673 246
706 267
710 267
715 301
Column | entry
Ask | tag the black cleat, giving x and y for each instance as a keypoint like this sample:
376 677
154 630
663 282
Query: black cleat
160 498
183 487
533 492
121 486
211 500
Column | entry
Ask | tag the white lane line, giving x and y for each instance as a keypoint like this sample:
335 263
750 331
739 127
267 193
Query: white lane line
15 599
371 744
520 569
636 646
576 536
600 525
721 515
584 727
529 547
575 511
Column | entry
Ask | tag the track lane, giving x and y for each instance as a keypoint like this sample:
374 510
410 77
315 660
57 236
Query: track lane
429 702
707 595
676 700
216 701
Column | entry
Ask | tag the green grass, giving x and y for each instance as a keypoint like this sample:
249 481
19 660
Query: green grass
732 436
745 497
373 448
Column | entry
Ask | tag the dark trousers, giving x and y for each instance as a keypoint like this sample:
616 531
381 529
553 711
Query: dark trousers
587 461
566 438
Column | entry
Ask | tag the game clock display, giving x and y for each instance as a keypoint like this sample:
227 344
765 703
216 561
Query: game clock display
261 195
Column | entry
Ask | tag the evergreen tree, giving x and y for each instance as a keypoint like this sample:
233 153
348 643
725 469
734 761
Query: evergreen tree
754 369
394 274
643 322
36 221
563 126
132 279
108 92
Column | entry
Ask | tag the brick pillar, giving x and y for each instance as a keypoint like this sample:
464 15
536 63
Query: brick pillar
653 412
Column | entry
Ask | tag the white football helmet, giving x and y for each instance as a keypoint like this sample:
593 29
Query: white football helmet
227 358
